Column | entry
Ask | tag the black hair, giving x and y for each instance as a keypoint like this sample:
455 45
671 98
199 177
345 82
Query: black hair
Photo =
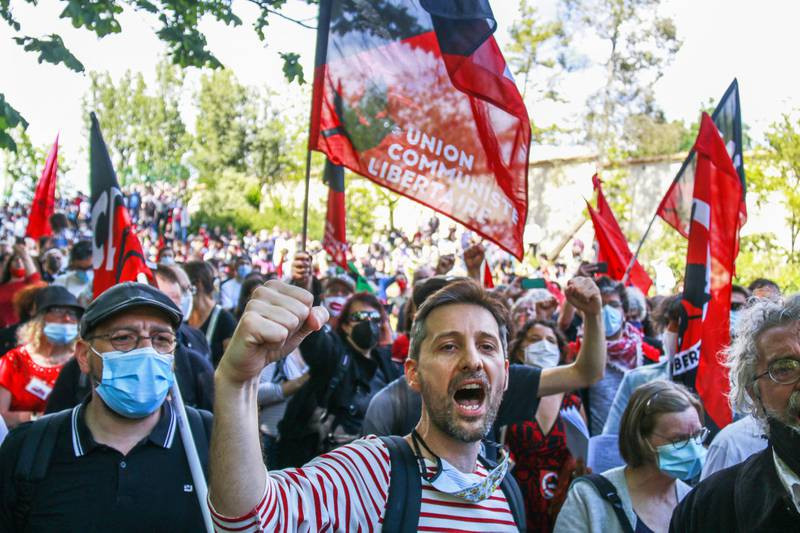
759 283
607 285
81 251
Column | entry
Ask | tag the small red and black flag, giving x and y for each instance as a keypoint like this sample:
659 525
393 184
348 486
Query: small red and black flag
117 254
676 206
415 95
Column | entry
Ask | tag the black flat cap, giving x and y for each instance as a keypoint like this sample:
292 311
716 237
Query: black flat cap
125 296
56 296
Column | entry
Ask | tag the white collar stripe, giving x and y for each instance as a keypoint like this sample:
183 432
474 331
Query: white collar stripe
76 438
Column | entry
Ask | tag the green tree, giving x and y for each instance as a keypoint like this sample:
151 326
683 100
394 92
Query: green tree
536 49
179 23
774 176
24 166
145 133
224 121
640 44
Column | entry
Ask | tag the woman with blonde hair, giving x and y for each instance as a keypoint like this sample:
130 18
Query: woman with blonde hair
47 342
661 440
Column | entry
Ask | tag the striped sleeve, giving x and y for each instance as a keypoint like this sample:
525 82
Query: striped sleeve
344 490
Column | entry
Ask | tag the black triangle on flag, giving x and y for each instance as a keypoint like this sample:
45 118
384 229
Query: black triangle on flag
116 252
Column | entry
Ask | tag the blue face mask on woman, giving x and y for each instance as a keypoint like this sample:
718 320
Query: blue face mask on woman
60 334
612 320
135 383
683 463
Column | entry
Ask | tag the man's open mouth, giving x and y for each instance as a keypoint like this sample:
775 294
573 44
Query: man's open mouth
470 397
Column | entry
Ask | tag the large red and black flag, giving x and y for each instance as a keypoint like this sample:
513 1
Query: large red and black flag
335 239
713 245
613 247
415 95
44 200
117 254
676 206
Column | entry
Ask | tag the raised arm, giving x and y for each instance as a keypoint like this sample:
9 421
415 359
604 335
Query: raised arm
589 366
276 319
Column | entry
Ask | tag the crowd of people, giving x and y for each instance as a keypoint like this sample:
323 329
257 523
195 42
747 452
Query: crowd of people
400 393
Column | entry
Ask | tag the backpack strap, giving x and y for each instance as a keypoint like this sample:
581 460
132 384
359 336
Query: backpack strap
405 487
212 323
512 493
34 460
200 423
609 493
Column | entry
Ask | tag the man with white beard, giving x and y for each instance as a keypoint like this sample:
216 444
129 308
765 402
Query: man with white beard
762 493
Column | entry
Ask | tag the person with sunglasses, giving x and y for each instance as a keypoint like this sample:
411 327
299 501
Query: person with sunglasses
661 440
116 461
763 492
47 341
348 365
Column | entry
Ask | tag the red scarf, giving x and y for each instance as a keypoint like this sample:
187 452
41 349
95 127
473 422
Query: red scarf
625 352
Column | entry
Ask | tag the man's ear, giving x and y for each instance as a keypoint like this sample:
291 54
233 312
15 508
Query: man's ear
82 356
505 385
411 370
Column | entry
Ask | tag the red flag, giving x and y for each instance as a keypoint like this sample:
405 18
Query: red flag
335 239
44 201
416 97
488 282
117 254
713 246
676 206
612 245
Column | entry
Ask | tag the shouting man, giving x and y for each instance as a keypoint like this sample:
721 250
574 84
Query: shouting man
457 362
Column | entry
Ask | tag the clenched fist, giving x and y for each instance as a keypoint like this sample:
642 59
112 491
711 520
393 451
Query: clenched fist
276 319
584 295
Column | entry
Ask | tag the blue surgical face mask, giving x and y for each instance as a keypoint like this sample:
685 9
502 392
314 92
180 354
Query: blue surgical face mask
684 463
60 333
84 276
243 270
612 320
134 384
734 319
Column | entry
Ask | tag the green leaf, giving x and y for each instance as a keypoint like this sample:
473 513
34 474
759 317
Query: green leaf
97 16
292 68
9 118
51 50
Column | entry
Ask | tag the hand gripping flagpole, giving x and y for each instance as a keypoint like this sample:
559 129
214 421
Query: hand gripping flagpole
198 477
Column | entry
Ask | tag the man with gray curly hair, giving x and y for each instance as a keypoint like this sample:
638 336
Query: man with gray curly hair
762 493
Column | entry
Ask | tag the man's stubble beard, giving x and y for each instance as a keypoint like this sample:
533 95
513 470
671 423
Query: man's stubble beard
789 416
441 413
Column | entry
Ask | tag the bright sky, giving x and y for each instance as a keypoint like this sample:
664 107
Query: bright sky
721 40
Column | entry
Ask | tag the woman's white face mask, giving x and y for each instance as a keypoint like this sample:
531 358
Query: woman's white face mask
542 353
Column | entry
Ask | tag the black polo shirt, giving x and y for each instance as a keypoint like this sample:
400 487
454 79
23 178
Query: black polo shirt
90 487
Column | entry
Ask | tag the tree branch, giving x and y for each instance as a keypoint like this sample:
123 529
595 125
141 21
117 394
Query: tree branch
272 11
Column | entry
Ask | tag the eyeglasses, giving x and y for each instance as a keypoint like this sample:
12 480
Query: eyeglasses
698 437
361 316
785 371
124 341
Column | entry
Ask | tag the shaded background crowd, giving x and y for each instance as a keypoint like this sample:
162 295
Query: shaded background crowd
311 401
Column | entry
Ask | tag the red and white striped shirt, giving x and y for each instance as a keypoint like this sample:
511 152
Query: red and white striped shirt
347 489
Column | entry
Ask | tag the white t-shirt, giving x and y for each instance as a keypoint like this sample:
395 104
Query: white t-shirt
347 489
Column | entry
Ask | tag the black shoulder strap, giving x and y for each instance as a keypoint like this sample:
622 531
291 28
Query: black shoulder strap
512 493
609 493
200 424
33 461
405 487
336 379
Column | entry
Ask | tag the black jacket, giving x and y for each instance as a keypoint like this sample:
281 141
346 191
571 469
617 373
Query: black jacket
747 498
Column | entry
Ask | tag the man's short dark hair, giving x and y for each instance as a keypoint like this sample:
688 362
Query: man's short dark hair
81 251
760 283
741 290
608 285
166 272
463 291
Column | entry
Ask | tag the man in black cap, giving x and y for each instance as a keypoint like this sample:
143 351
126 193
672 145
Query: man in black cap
115 462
